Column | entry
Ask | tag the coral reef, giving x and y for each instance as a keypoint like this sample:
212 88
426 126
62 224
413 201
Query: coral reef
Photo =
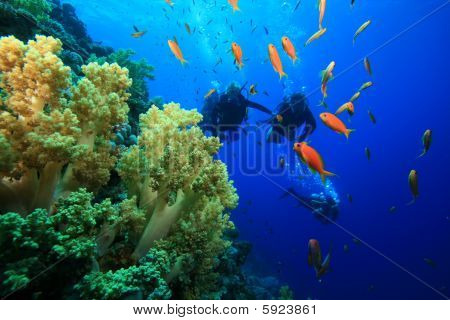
140 71
57 133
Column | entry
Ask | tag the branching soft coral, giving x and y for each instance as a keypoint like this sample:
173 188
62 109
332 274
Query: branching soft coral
29 245
172 172
57 134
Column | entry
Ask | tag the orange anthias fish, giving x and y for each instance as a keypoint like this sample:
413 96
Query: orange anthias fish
237 53
138 34
210 92
176 51
346 106
314 254
289 48
234 4
315 258
322 7
276 61
312 159
334 123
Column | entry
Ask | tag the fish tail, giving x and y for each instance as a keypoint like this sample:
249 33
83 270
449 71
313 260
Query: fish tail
347 132
421 155
294 60
236 8
183 62
325 174
412 201
283 74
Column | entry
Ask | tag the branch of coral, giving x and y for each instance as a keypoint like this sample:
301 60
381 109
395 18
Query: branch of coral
173 167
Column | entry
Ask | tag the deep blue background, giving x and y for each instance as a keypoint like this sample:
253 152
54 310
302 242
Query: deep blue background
410 95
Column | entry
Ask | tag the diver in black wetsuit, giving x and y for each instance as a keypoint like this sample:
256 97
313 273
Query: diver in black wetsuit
224 113
290 115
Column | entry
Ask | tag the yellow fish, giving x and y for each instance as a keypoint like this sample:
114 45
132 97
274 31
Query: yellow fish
355 96
316 36
209 93
327 74
361 29
366 85
322 7
413 185
349 107
138 34
426 140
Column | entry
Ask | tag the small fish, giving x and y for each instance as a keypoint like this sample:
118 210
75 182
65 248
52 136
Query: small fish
237 53
349 197
209 22
430 262
335 124
209 93
352 3
312 159
366 85
367 66
372 117
361 29
135 29
266 30
392 209
367 151
316 36
187 27
173 45
279 118
297 5
426 141
325 267
346 248
413 185
348 106
265 93
289 48
322 7
327 74
314 254
355 96
276 61
234 5
282 162
253 90
254 28
356 241
138 34
219 61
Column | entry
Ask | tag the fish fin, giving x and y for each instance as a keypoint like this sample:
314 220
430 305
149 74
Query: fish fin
348 131
294 60
411 202
183 62
421 155
325 174
283 74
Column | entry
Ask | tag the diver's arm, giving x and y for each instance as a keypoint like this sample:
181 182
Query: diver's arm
258 107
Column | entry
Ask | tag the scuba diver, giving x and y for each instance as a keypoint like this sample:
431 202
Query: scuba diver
323 206
291 114
224 113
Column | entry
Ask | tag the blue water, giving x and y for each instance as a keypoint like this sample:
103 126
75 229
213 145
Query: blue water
410 94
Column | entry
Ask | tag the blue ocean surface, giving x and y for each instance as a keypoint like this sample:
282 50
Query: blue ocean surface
407 44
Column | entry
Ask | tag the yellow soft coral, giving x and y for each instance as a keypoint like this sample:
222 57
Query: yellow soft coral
32 74
172 171
56 133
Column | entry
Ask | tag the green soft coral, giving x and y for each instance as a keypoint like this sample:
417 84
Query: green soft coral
40 9
146 280
172 171
33 244
57 133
